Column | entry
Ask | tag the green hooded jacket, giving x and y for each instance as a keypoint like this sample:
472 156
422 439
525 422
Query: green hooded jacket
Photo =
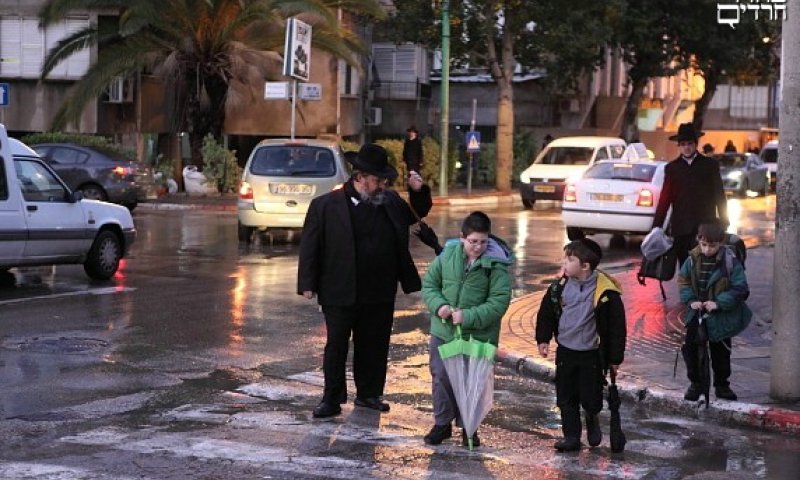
482 293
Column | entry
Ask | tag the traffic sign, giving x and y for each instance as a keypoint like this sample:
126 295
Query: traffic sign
473 141
5 93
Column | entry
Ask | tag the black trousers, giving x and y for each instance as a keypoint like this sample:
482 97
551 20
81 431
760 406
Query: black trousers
579 383
681 244
371 327
719 353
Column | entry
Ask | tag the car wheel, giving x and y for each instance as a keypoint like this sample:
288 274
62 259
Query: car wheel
7 279
527 204
743 190
617 241
245 233
93 192
131 206
104 256
575 233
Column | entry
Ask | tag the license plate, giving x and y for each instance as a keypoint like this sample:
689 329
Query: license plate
291 189
607 197
544 188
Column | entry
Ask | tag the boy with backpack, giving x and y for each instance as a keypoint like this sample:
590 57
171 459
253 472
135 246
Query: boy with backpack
584 311
714 287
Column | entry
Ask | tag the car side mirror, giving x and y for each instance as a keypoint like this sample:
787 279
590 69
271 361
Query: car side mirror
75 197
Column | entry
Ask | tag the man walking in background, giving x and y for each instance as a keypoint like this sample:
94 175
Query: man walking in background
412 150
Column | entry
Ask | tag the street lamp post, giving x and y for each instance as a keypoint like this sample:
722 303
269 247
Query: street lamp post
445 96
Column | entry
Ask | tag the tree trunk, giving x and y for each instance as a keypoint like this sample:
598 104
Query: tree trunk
701 105
630 128
206 115
505 134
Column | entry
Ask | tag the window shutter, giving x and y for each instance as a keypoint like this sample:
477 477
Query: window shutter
32 48
10 46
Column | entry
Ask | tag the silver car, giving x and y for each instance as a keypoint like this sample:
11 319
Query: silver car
742 173
280 179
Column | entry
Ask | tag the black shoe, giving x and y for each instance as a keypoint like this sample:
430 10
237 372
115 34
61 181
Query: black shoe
568 444
725 393
593 434
374 403
438 434
325 409
692 393
476 442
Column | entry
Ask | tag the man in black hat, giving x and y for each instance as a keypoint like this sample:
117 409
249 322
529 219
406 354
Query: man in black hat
412 150
353 252
693 188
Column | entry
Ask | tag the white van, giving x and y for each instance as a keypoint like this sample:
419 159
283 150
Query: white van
564 158
769 155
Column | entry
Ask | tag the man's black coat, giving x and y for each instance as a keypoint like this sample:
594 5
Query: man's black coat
327 263
695 193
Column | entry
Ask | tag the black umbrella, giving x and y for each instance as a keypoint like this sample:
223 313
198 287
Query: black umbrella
615 428
703 357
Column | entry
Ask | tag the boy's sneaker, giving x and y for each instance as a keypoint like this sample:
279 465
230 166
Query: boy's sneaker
476 442
593 433
438 434
693 392
725 393
568 444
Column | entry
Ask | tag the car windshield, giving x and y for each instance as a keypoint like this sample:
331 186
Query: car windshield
566 156
769 155
634 172
732 161
293 161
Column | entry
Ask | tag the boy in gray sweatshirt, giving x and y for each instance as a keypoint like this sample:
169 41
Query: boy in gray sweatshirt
583 310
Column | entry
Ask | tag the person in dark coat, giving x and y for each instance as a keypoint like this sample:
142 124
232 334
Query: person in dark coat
412 150
353 252
693 188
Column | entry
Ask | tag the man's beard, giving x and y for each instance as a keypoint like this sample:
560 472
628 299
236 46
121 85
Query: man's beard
374 199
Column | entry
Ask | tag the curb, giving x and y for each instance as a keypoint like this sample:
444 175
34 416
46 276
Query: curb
186 206
476 200
736 413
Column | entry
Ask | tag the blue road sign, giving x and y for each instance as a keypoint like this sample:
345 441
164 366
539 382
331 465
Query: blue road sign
473 141
5 92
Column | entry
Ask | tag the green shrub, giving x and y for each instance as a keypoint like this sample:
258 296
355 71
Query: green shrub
524 149
220 167
430 162
94 141
349 146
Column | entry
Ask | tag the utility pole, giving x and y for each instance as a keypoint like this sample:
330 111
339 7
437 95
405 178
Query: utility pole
445 97
784 371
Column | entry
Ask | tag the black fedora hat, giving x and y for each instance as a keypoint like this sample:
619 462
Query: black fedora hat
372 159
686 132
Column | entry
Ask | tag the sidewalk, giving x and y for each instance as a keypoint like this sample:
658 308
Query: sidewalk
654 332
654 336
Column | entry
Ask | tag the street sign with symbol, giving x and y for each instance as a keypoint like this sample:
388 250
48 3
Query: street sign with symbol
5 93
473 141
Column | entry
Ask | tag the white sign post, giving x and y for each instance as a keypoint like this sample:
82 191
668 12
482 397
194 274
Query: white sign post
297 57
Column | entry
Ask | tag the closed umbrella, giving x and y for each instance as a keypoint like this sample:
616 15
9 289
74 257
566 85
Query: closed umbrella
470 369
703 356
615 427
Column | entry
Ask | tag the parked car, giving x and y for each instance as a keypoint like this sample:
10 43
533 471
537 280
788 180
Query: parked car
280 179
613 196
97 173
743 172
43 222
769 155
561 159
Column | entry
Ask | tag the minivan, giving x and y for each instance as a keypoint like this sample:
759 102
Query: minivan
280 179
563 158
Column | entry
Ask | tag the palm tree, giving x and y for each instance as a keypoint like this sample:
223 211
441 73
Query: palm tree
208 53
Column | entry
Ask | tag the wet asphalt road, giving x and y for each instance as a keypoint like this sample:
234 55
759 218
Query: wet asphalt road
200 361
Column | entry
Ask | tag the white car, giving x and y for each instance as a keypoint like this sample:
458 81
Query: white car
769 156
562 159
281 178
616 196
42 222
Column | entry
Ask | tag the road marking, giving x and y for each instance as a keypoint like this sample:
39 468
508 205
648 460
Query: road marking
93 291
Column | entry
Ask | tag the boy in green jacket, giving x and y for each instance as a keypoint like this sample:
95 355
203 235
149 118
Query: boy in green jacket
467 284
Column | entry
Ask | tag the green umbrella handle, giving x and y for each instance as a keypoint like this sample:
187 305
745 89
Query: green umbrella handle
458 331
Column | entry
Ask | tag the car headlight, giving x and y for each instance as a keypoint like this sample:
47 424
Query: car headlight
524 177
736 175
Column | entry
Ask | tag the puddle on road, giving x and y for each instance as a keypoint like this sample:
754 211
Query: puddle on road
59 345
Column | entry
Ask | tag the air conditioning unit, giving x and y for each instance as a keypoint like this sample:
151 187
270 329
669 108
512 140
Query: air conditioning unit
569 105
120 91
374 116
